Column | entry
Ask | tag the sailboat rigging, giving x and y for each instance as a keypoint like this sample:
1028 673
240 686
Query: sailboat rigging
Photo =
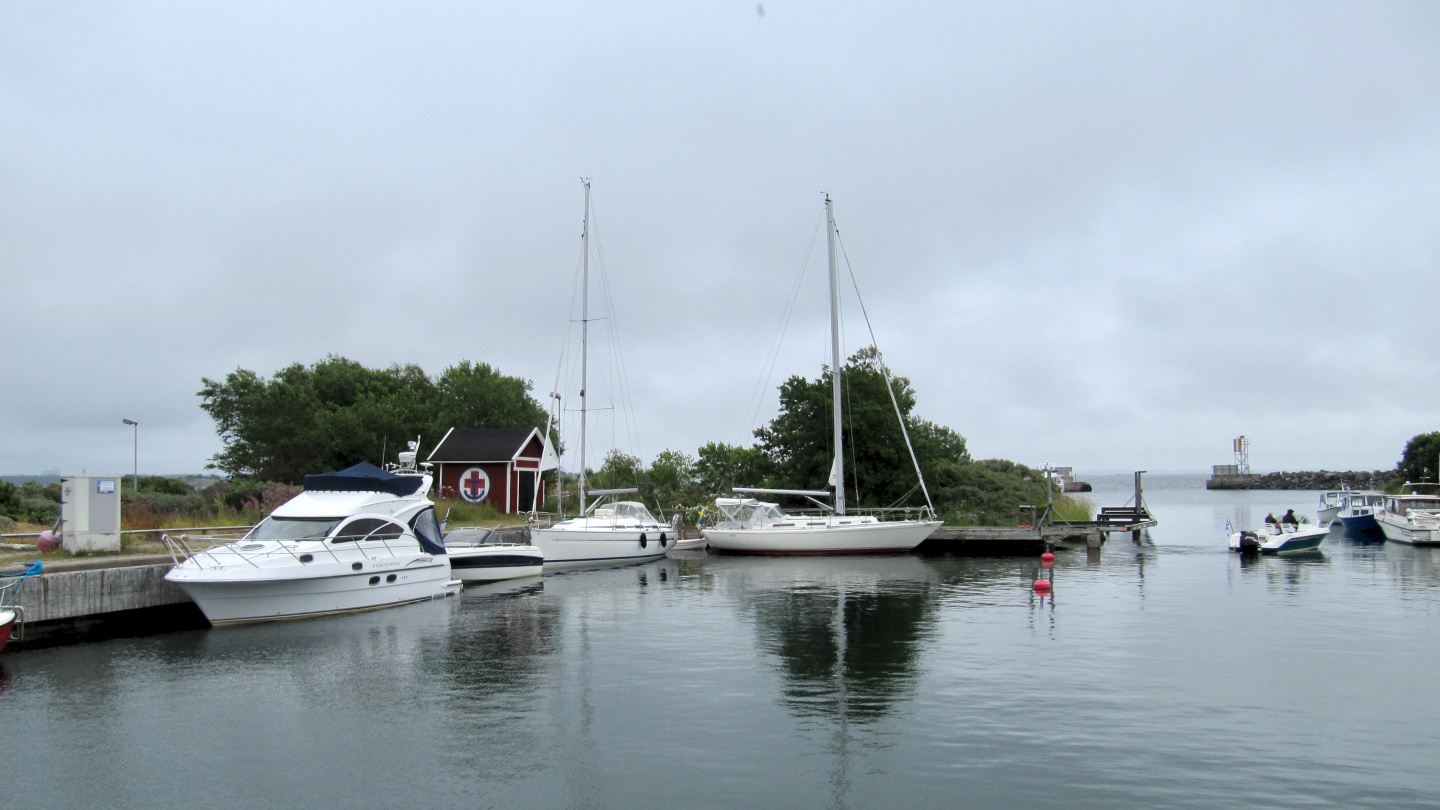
750 525
623 530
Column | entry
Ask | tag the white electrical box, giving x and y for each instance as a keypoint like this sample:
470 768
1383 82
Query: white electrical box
90 513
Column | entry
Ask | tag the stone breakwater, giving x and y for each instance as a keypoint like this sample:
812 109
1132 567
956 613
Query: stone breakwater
1318 479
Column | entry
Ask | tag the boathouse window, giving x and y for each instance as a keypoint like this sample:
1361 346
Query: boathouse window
280 528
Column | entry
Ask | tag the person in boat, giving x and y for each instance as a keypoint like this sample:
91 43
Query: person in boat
1270 520
1290 518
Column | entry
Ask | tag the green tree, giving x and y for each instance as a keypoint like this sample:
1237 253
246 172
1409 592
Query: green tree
671 479
337 412
799 441
1422 454
620 471
721 466
477 395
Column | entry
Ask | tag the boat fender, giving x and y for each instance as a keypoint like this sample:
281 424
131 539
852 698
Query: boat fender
662 539
642 539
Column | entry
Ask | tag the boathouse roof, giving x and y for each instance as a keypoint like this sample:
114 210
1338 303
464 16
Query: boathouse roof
478 445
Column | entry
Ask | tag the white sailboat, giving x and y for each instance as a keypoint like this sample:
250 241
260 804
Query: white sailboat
612 532
750 525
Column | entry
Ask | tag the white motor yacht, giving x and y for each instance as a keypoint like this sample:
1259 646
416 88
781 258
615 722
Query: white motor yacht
755 527
357 539
475 556
1411 518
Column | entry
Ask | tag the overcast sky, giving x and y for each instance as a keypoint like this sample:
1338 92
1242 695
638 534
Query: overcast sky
1106 235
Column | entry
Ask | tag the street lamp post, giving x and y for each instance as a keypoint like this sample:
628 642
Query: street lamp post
136 458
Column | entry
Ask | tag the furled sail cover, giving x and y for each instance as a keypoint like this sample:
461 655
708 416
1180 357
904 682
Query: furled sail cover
364 477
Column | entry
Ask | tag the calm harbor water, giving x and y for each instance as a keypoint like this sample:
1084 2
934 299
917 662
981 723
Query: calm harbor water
1170 674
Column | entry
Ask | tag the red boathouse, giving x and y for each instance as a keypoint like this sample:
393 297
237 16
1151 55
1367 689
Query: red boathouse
498 466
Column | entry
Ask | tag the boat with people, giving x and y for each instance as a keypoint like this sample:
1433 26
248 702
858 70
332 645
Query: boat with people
1412 517
477 556
611 532
749 525
1357 512
357 539
1279 538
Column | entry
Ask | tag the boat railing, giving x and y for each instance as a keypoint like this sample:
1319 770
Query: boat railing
880 513
182 547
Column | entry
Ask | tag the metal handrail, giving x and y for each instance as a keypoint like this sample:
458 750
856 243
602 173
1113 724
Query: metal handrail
180 547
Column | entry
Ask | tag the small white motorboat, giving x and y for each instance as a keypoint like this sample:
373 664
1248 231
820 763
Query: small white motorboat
1331 502
1279 538
697 543
475 556
1412 517
358 539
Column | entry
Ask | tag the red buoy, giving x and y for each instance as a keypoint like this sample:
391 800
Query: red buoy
1047 557
1042 584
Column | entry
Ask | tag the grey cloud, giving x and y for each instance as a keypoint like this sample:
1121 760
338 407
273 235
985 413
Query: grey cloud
1076 226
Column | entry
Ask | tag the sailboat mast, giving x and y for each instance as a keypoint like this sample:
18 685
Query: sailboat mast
584 334
835 358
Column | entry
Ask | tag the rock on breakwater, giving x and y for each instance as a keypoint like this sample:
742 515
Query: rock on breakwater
1317 479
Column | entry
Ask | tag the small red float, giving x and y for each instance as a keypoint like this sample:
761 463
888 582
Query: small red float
1047 557
1042 584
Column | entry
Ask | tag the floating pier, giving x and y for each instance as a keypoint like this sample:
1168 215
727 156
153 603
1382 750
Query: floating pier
1045 533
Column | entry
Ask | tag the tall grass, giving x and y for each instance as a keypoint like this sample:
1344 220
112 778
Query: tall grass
1077 509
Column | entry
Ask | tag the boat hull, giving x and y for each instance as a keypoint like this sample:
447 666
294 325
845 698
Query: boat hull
1327 515
1294 544
1410 535
866 538
7 626
495 563
236 601
1287 542
579 547
1360 523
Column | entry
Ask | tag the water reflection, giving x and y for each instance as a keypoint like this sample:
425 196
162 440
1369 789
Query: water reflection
1413 567
1285 572
847 636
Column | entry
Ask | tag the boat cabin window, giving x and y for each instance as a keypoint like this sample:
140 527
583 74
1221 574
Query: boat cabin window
280 528
1423 503
368 529
427 527
634 511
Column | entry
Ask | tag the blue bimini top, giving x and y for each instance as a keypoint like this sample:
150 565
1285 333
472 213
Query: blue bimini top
364 477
